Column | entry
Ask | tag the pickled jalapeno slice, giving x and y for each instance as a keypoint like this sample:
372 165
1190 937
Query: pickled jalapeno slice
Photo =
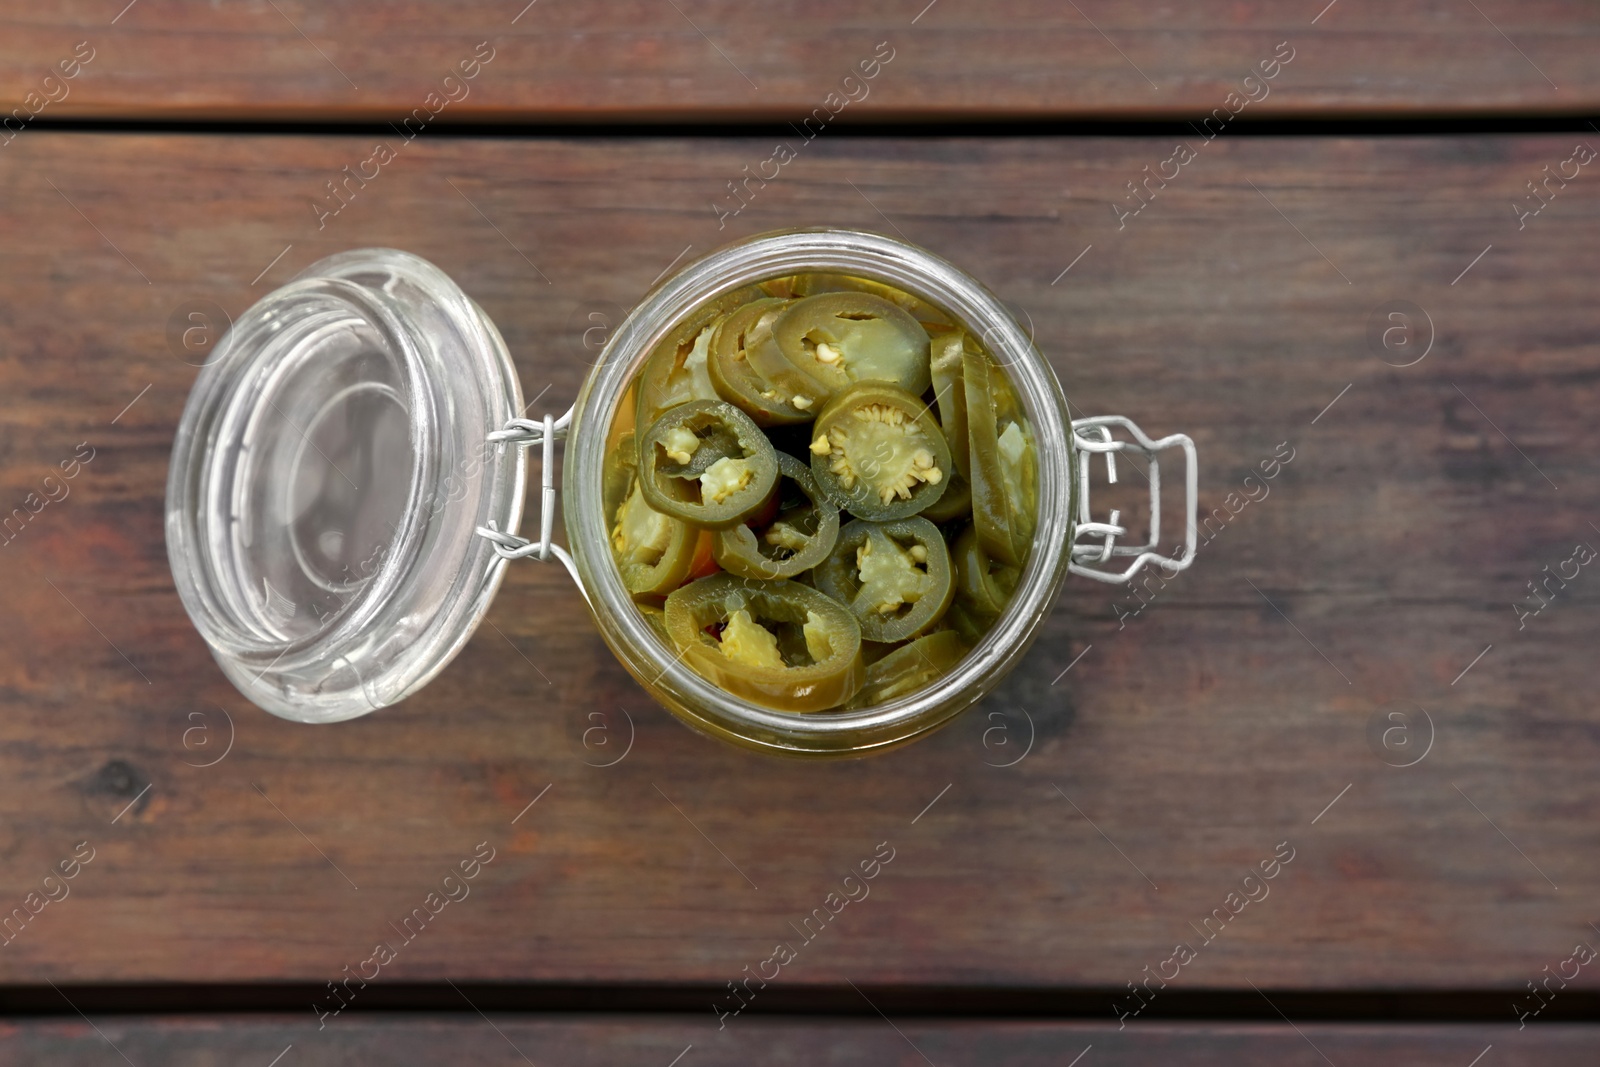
813 284
748 371
840 338
657 618
971 628
983 587
677 370
653 551
799 534
712 495
783 287
779 644
618 472
689 453
954 503
910 667
950 394
1003 465
878 453
894 576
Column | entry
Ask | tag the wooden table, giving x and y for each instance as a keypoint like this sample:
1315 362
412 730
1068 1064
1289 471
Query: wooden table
1053 846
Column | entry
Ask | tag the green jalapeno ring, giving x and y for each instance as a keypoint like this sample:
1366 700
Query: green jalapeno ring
617 474
813 284
950 394
812 663
738 549
972 628
954 503
718 443
908 668
653 552
983 587
876 571
780 287
657 618
725 493
1002 463
877 452
761 384
841 338
677 369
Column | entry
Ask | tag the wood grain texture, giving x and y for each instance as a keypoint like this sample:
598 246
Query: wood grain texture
643 59
657 1040
1179 748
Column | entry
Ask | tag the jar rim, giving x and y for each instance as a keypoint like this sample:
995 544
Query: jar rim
926 276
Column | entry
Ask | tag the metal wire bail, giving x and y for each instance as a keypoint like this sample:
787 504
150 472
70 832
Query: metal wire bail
1093 436
508 544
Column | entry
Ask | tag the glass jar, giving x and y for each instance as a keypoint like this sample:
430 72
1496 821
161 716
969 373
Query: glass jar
347 483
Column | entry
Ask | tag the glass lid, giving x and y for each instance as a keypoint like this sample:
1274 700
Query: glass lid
330 469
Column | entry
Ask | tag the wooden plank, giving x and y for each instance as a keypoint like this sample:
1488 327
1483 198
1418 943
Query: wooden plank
1192 739
512 1039
644 59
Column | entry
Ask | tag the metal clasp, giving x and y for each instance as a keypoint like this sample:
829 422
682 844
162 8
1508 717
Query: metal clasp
508 545
1093 435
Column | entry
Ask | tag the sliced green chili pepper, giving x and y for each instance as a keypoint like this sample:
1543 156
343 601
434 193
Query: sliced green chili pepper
1003 465
657 618
910 667
983 587
715 495
894 576
748 370
653 551
783 287
677 370
954 503
950 394
878 453
971 628
691 451
619 470
840 338
779 644
813 284
798 537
